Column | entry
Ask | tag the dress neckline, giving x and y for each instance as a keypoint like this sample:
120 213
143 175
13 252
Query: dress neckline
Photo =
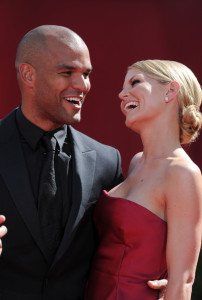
133 203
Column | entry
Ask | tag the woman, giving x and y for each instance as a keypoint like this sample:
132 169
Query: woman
151 223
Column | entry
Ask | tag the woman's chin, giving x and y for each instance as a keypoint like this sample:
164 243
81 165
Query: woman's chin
131 124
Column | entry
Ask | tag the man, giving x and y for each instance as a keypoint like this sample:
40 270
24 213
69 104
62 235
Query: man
49 246
53 67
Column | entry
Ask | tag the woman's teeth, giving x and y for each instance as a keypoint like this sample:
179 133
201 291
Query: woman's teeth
131 105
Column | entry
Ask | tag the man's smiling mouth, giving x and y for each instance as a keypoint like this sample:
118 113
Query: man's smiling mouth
74 100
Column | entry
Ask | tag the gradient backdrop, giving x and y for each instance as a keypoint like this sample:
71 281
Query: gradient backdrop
118 33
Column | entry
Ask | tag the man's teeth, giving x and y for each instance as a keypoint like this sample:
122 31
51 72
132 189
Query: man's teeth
73 100
131 105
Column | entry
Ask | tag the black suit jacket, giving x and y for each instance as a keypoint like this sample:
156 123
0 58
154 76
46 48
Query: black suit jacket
197 287
24 270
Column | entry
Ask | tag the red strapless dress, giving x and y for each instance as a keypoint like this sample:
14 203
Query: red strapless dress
132 250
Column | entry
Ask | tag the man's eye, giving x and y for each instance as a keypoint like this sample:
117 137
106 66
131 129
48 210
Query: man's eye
68 73
86 75
135 81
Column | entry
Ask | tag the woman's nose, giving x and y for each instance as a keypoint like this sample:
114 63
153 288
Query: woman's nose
123 94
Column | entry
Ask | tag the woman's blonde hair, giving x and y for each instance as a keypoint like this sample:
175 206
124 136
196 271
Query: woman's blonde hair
189 96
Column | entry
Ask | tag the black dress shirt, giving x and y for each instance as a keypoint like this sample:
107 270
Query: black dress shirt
34 154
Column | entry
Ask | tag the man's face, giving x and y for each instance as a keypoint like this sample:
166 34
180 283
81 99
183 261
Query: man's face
62 82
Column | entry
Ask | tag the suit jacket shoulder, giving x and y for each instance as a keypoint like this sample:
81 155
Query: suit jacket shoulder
7 126
108 159
85 141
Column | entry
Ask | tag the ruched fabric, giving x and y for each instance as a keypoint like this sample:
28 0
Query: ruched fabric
132 250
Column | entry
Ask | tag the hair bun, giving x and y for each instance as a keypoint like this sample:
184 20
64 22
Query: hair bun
191 121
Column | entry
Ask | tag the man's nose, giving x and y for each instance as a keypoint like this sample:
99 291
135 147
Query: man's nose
81 83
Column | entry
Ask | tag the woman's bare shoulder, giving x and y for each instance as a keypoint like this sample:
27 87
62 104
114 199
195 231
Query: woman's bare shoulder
183 177
182 166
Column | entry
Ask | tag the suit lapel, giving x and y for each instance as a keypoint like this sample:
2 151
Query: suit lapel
14 172
83 175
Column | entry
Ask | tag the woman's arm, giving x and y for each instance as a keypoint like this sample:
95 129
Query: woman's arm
184 216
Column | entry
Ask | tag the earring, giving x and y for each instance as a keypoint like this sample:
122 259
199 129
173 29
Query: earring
166 99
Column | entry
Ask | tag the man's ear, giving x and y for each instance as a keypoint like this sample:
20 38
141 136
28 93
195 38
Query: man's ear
26 74
172 91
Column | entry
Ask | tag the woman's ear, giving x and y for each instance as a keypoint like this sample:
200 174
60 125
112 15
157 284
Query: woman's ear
26 74
172 91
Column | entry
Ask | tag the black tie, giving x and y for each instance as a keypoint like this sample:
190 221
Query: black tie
48 206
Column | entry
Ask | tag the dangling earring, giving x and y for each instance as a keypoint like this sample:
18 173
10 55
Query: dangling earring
166 99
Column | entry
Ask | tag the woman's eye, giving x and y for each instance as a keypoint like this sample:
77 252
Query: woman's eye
133 82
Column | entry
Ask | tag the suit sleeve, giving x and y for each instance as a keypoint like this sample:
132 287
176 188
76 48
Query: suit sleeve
119 174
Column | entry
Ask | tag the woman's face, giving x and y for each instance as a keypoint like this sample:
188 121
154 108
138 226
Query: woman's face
142 97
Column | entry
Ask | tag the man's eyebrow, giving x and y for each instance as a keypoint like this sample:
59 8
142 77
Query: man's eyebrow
67 67
63 66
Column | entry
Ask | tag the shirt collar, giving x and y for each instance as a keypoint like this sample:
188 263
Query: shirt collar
32 133
60 135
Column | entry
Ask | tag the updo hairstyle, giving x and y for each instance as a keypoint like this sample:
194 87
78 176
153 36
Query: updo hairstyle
189 95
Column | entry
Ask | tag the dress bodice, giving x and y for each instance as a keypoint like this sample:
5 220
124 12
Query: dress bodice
132 245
